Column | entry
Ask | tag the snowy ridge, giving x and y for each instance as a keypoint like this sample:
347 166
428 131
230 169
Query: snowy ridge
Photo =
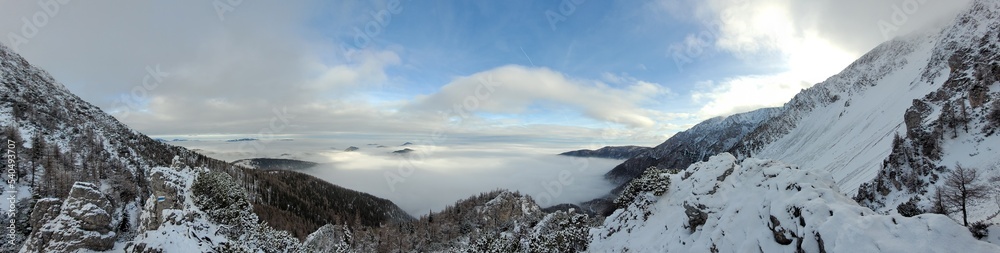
867 71
846 124
955 123
768 206
850 133
705 139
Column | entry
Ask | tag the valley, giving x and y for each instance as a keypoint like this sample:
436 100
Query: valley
896 152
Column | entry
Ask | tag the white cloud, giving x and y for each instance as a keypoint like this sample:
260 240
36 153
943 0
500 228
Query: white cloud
747 93
749 26
513 89
368 69
809 40
223 76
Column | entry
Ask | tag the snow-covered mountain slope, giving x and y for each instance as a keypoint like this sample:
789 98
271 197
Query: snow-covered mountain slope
723 205
705 139
885 131
955 124
847 124
696 144
848 128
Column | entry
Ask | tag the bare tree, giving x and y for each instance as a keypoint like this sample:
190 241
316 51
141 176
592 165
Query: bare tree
938 203
962 187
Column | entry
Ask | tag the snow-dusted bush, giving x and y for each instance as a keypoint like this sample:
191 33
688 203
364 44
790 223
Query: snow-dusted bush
557 232
979 229
265 238
494 242
653 180
560 232
219 196
909 208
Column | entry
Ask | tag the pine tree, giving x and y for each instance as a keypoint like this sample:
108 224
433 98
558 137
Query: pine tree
36 153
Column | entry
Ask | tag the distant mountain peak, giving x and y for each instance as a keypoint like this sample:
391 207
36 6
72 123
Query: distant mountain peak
609 152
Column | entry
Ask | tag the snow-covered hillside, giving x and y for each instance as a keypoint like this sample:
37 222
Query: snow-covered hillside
885 131
723 205
82 177
848 131
846 124
705 139
954 124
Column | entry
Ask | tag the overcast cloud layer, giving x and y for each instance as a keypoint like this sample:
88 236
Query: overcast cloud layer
295 67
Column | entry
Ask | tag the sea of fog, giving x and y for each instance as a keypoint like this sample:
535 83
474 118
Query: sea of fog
433 176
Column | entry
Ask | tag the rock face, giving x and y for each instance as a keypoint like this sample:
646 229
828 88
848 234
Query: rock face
82 221
163 183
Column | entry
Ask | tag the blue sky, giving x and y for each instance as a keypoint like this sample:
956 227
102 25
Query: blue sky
442 40
609 69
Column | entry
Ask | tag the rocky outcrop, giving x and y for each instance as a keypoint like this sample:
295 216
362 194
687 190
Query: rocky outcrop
45 210
82 221
696 217
166 194
329 238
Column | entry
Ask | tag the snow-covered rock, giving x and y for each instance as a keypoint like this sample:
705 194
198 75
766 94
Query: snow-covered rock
329 238
82 222
768 206
178 218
